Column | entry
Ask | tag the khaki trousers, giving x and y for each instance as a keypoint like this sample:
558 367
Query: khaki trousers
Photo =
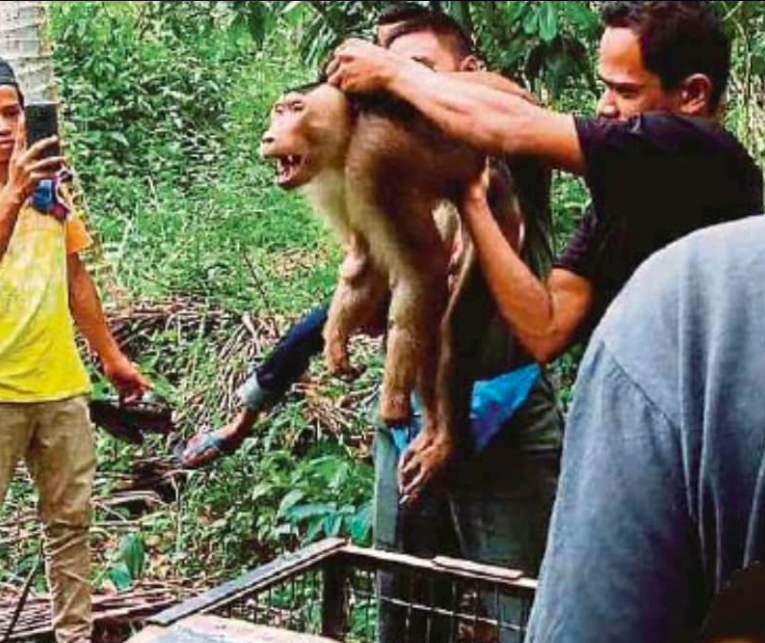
55 440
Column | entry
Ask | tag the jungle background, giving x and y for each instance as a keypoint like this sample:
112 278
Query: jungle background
203 262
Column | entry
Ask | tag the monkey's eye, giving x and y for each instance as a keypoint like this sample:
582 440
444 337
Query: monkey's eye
297 106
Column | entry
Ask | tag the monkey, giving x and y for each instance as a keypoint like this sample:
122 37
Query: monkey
389 184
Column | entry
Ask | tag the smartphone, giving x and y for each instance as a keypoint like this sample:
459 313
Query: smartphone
42 122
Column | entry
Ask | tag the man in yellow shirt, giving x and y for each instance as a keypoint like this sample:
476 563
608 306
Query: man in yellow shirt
44 419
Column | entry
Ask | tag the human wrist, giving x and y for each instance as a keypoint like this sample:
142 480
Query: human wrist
401 73
111 355
11 200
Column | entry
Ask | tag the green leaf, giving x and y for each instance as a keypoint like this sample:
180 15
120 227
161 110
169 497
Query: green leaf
304 512
289 501
133 555
340 476
333 525
120 138
261 491
120 577
314 532
548 22
515 10
758 64
531 23
460 11
258 19
290 7
361 525
581 15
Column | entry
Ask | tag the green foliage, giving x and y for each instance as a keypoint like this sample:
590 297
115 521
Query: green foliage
150 97
348 512
262 502
164 118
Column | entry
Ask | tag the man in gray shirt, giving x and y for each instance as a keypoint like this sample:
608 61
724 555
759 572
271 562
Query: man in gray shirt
662 496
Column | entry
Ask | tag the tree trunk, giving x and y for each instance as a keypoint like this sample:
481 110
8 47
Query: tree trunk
25 44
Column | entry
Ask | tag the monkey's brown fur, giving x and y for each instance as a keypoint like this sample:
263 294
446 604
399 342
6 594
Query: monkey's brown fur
381 176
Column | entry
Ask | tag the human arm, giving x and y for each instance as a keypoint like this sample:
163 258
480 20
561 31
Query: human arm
544 316
495 121
88 314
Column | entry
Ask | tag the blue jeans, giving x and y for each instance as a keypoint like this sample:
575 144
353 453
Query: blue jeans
287 362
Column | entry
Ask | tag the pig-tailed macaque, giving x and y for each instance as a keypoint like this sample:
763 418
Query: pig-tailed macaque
383 178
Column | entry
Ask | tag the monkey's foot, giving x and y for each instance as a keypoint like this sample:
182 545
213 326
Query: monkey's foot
425 461
337 360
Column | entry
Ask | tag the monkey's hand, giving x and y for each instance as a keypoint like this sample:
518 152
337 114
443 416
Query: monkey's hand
359 67
422 464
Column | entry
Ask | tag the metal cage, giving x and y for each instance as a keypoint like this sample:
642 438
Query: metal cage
359 595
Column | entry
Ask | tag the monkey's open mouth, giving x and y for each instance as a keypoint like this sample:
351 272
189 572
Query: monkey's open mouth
287 169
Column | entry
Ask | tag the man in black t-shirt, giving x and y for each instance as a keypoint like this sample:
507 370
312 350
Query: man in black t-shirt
656 160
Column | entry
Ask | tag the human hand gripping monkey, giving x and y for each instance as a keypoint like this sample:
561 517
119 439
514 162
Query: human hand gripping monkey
361 67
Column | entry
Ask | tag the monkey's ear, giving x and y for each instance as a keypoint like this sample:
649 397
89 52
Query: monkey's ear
471 63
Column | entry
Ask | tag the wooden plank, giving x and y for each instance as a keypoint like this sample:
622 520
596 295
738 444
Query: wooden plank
212 629
476 569
282 569
390 561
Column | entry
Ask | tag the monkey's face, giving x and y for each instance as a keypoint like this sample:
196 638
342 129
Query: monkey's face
307 135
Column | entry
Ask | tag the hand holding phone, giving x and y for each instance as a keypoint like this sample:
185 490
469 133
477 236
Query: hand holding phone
41 123
37 153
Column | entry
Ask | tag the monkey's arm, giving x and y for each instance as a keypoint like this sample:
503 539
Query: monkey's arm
498 122
544 317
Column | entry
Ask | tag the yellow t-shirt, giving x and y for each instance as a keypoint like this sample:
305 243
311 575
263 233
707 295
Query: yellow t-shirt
39 361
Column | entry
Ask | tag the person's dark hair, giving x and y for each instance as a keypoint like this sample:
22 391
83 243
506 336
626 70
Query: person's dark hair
435 22
400 12
8 77
677 39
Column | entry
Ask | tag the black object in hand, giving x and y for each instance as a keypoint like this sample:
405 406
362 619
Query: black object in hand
128 421
42 122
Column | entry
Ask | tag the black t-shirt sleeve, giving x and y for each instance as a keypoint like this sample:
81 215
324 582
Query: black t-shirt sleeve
578 257
617 154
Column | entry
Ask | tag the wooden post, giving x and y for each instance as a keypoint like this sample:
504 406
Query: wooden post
334 614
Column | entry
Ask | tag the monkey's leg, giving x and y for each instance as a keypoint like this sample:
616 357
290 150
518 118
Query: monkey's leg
359 296
429 455
418 298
